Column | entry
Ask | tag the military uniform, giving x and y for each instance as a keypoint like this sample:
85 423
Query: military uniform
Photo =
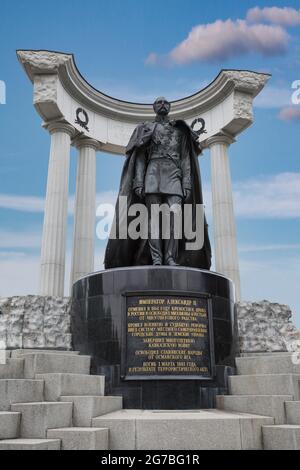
163 170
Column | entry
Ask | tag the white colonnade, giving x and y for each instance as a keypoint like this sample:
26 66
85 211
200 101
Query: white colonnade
56 209
225 240
85 209
77 114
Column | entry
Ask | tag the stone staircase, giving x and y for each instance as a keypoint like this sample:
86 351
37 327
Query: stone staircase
268 385
48 400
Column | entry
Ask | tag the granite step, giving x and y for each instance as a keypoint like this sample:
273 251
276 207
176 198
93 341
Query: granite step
46 363
292 409
265 384
283 437
9 424
87 407
12 369
37 418
265 405
182 430
30 444
286 363
60 384
19 353
80 438
20 390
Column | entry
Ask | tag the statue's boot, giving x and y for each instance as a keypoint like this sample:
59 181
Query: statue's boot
157 262
171 262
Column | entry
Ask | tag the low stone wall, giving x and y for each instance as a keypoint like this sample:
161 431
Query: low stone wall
266 327
35 322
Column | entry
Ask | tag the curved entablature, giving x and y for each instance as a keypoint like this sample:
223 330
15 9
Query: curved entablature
61 92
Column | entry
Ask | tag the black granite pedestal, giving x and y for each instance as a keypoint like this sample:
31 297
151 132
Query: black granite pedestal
162 336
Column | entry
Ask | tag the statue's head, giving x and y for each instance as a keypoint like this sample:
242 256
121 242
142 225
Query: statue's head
161 106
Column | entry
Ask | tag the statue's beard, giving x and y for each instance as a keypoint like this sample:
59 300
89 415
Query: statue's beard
163 111
162 114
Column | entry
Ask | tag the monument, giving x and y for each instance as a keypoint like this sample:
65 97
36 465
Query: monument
156 319
161 168
156 328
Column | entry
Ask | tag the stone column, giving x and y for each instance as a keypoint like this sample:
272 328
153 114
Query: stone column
85 209
56 207
226 254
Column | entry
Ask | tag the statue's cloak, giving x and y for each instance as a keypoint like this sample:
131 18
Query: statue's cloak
122 252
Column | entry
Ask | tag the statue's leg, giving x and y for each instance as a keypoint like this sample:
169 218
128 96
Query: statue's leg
171 244
155 243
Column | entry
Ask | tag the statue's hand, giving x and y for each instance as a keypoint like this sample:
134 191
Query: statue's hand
139 192
186 193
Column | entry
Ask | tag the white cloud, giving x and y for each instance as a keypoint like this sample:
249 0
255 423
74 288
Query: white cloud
17 239
22 203
273 97
275 196
35 204
224 39
267 197
269 247
285 16
19 274
290 113
151 59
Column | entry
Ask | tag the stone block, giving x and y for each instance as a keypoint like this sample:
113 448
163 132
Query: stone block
292 409
4 306
268 364
266 327
57 385
80 438
284 437
121 427
34 314
30 444
56 306
20 390
9 425
269 384
13 369
88 407
265 405
33 340
44 363
19 353
59 339
182 430
14 340
38 417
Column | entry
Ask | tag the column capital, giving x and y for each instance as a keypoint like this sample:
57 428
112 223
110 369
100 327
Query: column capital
221 138
83 141
59 126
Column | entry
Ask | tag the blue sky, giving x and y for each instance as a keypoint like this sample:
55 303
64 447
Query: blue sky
133 50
